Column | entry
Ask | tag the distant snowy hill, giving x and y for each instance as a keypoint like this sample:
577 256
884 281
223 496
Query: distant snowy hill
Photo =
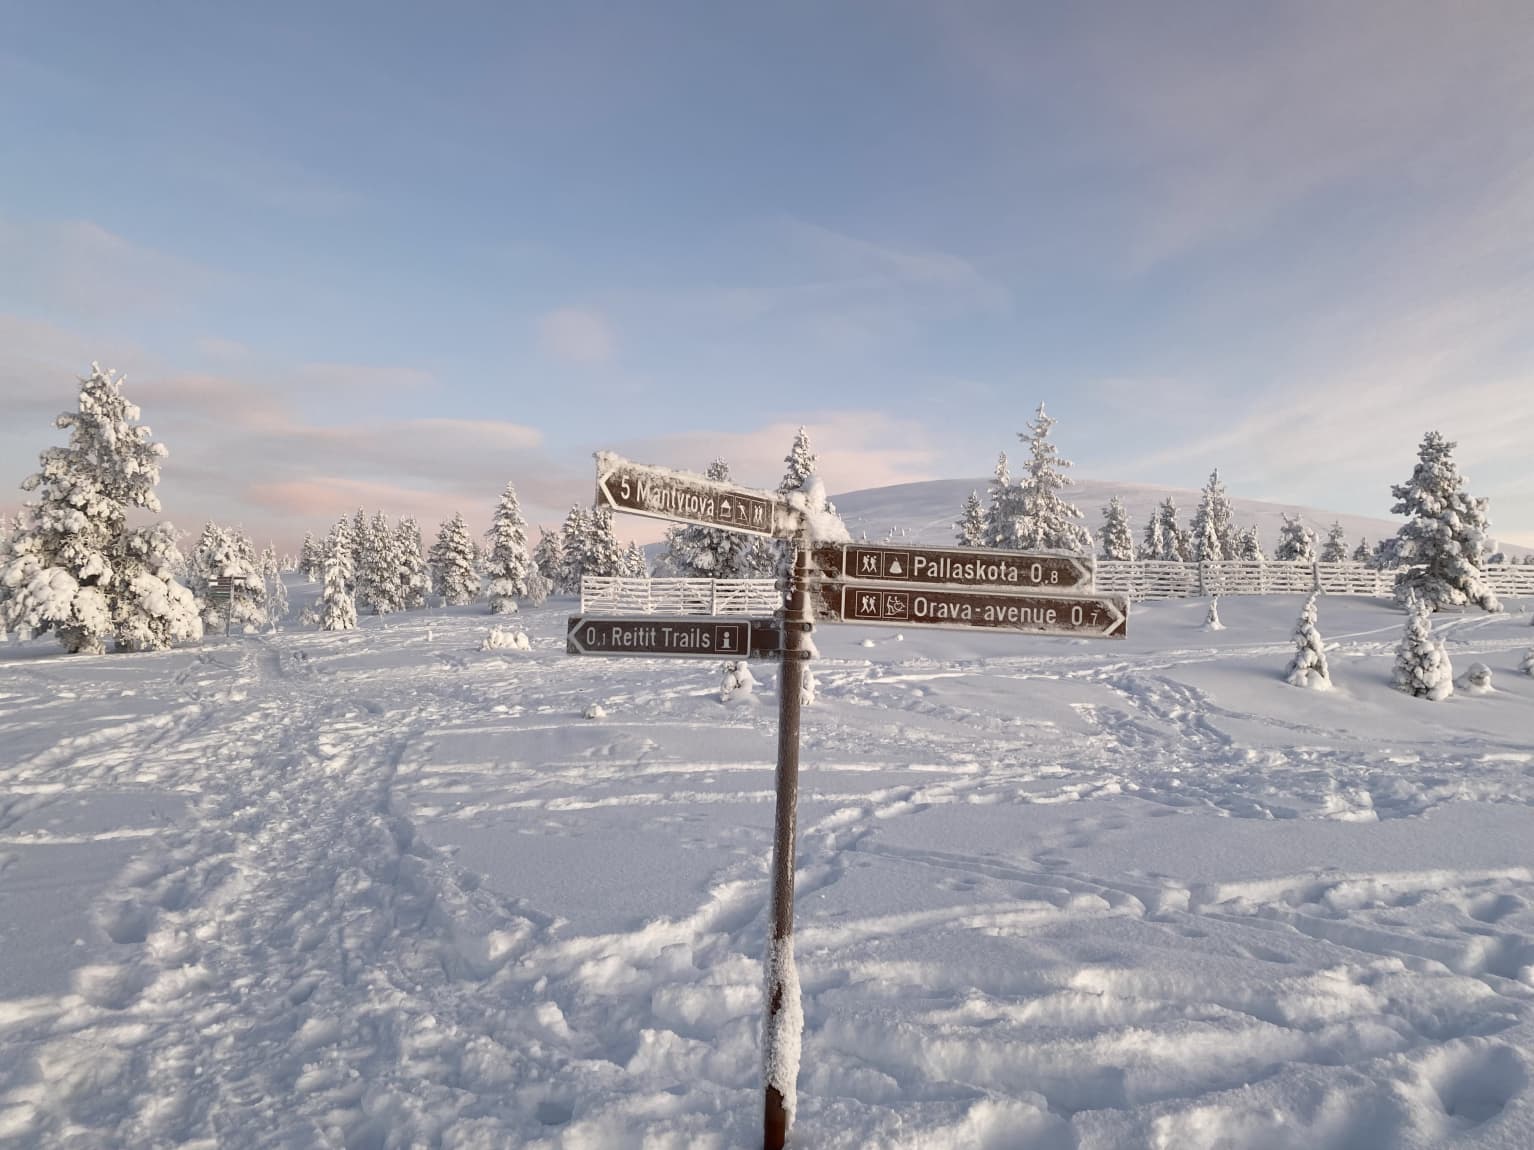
925 512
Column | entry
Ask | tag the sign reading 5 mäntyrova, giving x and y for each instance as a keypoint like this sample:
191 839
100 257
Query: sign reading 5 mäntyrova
962 567
697 637
1084 616
662 494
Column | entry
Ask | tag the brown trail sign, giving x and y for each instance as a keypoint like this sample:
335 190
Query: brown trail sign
687 637
1084 616
954 566
661 494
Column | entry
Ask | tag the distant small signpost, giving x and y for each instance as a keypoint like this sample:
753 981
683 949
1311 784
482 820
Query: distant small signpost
876 584
222 591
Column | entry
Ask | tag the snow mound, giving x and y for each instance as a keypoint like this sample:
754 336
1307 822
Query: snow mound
506 639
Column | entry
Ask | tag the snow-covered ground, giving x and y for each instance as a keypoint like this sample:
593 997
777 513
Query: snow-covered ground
387 888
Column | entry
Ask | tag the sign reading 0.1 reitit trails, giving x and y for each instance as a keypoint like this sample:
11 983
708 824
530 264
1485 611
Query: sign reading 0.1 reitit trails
686 637
954 566
662 494
1080 615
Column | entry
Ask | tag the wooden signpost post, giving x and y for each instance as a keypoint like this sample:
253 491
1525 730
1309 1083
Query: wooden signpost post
969 589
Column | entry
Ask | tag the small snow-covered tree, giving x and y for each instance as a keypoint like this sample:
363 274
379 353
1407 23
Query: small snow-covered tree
1044 520
1214 534
508 564
798 476
153 610
697 551
1165 538
309 558
414 583
338 605
275 601
1296 542
1335 549
1422 665
1308 667
548 556
1361 552
572 550
1250 547
604 555
1212 617
969 531
59 571
1000 507
1527 666
227 553
1117 540
1444 542
452 563
635 566
378 577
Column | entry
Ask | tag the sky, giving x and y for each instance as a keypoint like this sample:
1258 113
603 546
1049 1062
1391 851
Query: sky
397 255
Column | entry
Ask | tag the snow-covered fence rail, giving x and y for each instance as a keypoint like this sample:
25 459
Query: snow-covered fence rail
620 596
1164 580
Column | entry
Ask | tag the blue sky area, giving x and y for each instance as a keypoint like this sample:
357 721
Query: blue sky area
397 254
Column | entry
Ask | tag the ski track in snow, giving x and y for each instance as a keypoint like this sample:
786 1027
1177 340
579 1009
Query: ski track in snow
327 932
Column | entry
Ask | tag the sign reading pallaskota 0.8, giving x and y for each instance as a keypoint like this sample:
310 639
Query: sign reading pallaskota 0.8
954 566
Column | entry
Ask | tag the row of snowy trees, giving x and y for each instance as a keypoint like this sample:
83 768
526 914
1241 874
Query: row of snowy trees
1440 551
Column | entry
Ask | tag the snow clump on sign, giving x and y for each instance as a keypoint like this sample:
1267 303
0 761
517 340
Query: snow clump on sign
821 522
506 639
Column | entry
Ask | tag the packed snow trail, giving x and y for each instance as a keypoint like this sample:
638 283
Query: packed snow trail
384 888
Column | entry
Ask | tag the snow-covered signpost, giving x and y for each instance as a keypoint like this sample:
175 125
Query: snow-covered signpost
663 494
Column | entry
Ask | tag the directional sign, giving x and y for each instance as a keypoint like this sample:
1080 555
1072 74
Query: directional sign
662 494
957 566
1084 616
686 637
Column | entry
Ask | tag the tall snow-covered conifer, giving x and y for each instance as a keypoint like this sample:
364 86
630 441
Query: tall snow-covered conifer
1335 549
1000 513
452 563
548 556
1165 538
378 576
1044 520
338 605
1444 542
1296 542
414 584
1214 535
1118 542
275 601
73 566
509 564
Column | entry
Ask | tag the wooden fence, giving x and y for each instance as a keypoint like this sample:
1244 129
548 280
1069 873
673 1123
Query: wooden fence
617 596
1162 580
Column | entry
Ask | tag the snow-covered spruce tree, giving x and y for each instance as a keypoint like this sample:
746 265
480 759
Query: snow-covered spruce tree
152 609
309 558
1165 538
452 563
1212 617
1045 521
1296 542
227 552
1335 549
1361 552
1118 542
1527 666
414 584
1422 663
572 550
548 556
378 575
508 564
603 554
275 601
1250 549
1444 542
59 571
338 605
798 476
1001 507
359 538
1308 667
969 531
1214 534
635 566
695 551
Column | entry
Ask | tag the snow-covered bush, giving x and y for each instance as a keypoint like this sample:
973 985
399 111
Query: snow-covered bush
809 688
1527 666
1308 667
505 639
738 681
1212 619
1422 664
595 711
1476 680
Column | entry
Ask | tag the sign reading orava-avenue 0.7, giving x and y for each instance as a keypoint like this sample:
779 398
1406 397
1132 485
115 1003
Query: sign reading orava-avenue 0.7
663 494
1082 615
965 567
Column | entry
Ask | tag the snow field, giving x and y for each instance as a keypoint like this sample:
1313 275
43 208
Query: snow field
384 888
